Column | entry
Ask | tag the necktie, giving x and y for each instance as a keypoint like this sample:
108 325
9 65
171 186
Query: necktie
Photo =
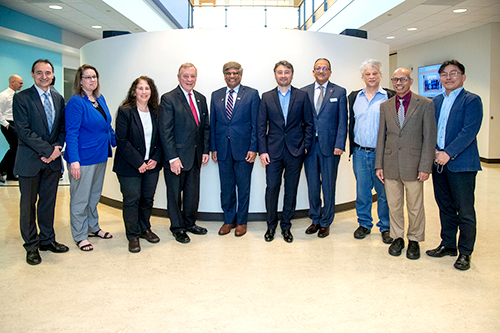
48 110
229 106
401 113
320 99
193 110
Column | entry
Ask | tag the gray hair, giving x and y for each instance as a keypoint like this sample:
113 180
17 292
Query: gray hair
370 63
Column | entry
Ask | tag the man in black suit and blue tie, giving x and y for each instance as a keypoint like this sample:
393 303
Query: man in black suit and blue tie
233 142
330 132
39 119
285 133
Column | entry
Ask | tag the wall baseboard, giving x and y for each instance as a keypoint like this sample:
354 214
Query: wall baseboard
490 160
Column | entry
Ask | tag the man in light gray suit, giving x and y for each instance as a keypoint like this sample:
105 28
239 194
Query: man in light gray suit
404 157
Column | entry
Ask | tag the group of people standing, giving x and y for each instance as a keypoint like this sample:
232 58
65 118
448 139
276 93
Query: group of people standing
392 133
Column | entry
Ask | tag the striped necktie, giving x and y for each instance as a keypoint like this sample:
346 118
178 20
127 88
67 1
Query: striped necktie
49 111
230 103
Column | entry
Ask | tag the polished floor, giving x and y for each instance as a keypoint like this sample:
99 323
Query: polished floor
228 284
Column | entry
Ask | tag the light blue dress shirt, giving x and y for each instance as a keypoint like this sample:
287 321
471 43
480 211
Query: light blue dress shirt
284 101
444 114
367 116
235 94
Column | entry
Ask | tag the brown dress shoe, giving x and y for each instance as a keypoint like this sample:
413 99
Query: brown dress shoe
226 228
323 232
240 230
312 229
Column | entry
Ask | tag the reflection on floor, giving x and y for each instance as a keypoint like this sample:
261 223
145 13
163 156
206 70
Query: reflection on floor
228 284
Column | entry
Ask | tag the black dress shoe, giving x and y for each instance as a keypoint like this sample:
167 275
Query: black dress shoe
463 262
361 232
312 229
194 229
269 236
323 232
396 247
386 237
413 251
150 236
441 251
182 237
54 247
133 245
287 235
33 257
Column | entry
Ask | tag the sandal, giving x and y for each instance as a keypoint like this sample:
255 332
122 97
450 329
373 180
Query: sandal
84 245
101 234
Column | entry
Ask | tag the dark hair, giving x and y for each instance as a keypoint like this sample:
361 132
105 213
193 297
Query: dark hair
452 62
154 99
77 86
45 61
328 61
283 63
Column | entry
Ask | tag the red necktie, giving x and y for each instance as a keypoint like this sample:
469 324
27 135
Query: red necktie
193 109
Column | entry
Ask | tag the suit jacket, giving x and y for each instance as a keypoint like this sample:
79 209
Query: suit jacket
242 128
180 137
463 125
331 121
404 152
33 134
352 120
89 137
272 133
131 146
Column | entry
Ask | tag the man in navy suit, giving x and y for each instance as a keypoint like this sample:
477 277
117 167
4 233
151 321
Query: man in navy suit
233 142
459 114
321 163
285 133
39 119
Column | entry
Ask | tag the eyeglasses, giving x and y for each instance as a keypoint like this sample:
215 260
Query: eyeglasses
322 69
399 79
232 73
450 74
93 77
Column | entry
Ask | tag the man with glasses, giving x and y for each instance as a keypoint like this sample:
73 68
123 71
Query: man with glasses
403 161
330 130
233 143
458 114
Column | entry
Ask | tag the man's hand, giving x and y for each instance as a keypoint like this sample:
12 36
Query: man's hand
75 170
380 175
214 156
337 151
205 158
251 155
143 168
151 165
176 166
422 176
442 157
264 158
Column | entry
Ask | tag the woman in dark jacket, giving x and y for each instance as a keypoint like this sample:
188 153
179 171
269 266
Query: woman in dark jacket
138 159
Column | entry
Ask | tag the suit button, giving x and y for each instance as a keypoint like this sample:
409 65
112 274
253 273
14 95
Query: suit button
399 148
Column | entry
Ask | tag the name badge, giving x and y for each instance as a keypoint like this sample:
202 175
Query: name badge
333 100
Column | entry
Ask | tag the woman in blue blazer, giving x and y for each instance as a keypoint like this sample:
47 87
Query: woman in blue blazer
89 138
138 159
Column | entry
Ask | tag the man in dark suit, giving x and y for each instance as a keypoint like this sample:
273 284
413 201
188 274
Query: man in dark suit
459 114
330 131
184 133
285 132
39 120
233 142
403 161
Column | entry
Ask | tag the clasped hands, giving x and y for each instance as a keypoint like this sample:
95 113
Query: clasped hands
55 154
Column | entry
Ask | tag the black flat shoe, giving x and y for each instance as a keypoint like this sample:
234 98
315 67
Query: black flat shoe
386 237
133 245
182 237
413 251
33 257
54 247
441 251
197 230
269 236
463 262
361 232
287 236
150 236
396 247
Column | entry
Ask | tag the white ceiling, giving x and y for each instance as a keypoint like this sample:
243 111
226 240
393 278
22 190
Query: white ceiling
433 18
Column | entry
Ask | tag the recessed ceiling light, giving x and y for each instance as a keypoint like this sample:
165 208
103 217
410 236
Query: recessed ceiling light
411 29
55 7
96 27
461 10
390 37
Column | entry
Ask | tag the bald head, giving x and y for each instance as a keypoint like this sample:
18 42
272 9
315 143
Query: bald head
15 82
401 81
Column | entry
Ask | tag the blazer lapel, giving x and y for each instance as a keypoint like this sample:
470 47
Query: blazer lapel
237 101
453 111
278 104
187 107
414 102
326 97
39 107
138 122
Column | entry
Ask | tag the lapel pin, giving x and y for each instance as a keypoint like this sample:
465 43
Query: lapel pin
238 98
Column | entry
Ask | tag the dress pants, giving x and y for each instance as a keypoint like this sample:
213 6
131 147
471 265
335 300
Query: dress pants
363 164
321 173
7 164
183 196
234 174
44 188
274 172
85 194
454 193
138 196
395 191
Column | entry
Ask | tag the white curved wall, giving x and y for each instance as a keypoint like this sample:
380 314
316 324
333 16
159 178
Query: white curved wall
159 54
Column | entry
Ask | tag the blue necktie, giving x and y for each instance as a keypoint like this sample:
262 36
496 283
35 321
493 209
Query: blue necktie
229 106
49 111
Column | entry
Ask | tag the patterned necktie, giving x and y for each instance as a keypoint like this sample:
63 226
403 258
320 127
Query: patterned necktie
48 110
401 113
193 110
229 106
320 99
